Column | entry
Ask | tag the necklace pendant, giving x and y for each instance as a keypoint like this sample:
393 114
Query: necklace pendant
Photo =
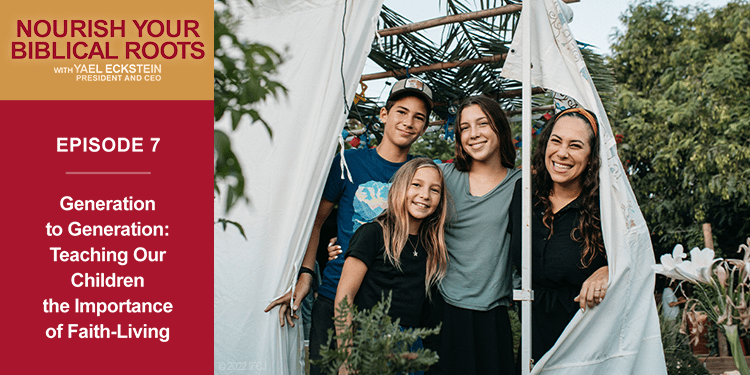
415 253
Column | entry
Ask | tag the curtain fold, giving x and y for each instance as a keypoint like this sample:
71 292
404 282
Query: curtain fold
284 176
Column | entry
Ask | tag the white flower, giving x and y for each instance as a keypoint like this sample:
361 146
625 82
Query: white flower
670 261
695 270
704 258
698 268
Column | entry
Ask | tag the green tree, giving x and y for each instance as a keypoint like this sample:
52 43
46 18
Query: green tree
683 108
432 146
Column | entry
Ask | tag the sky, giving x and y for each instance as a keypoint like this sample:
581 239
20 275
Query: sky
594 21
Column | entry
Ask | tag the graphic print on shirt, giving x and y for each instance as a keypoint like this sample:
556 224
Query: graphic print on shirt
370 200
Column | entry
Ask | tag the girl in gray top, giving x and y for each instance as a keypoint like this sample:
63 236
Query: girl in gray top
475 293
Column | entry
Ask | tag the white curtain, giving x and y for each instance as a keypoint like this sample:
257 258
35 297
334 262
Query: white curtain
620 336
284 175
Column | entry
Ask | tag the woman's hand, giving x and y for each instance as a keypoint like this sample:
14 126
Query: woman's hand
594 289
333 250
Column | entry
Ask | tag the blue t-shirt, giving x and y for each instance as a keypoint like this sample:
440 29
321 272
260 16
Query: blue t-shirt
359 202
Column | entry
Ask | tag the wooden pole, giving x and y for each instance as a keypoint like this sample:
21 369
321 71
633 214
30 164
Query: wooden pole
443 21
516 93
431 67
450 19
708 238
507 113
533 109
486 13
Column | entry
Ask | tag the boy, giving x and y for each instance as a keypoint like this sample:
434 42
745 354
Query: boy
405 118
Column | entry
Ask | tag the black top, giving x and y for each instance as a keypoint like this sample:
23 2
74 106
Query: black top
408 285
557 273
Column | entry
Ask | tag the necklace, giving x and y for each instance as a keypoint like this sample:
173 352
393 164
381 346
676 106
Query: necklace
414 246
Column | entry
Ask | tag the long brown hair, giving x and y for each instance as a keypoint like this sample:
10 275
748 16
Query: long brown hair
395 222
500 126
589 229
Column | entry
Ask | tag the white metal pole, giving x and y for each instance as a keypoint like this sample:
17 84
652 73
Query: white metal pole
526 201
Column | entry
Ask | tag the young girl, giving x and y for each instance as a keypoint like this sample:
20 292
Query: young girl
403 250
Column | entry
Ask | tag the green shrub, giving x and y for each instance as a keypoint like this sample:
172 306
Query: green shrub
379 345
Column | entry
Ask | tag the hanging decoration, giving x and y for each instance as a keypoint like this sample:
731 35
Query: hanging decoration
361 96
375 125
536 127
448 130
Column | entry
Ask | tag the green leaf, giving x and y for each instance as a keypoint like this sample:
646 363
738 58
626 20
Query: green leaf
224 223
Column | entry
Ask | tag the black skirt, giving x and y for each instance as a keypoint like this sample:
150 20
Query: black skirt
470 341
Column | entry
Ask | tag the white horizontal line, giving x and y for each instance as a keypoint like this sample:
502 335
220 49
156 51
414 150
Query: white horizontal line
107 172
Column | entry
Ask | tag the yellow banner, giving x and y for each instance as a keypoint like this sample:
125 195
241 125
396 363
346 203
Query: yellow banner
106 50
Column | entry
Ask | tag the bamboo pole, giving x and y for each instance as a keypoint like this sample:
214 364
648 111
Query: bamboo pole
443 21
486 13
507 113
437 125
533 109
450 19
431 67
516 93
708 238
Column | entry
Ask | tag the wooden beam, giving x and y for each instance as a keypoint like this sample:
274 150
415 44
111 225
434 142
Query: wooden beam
449 19
437 125
514 93
431 67
454 18
545 108
442 21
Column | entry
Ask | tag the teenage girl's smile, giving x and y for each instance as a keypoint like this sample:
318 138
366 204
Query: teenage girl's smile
477 136
477 145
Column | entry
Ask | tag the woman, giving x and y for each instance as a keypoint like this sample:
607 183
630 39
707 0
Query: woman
474 295
569 264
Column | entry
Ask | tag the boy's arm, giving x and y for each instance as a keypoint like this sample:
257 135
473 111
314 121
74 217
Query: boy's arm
305 280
